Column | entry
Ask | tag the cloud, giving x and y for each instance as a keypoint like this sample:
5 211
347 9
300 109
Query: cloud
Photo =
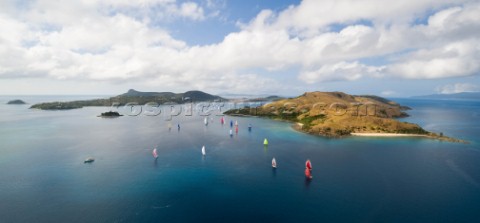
434 50
191 10
455 23
388 93
453 60
314 15
457 88
120 41
65 13
450 46
339 71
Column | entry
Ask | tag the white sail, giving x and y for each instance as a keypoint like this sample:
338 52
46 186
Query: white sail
203 150
274 163
154 153
205 121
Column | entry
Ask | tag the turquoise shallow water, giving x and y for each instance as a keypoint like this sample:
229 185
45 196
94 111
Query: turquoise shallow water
43 177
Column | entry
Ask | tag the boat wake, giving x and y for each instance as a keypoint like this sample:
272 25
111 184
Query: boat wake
462 173
162 207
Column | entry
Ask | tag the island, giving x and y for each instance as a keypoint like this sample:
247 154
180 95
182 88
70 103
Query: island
132 96
110 114
16 102
57 106
337 114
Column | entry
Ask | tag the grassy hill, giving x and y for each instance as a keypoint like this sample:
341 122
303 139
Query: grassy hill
338 114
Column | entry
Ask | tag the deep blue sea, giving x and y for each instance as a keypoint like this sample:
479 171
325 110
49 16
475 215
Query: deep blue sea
355 179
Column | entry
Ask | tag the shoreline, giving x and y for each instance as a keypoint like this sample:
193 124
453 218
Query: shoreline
433 136
298 127
380 134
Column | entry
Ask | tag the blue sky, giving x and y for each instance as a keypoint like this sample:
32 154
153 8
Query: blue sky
392 49
213 30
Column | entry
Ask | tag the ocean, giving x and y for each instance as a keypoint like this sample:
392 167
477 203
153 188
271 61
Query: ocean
355 179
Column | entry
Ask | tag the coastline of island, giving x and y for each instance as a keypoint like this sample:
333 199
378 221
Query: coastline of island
430 135
131 97
337 115
378 134
299 127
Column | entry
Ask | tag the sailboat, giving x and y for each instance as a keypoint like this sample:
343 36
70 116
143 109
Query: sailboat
222 120
236 129
231 132
265 142
274 163
89 160
308 165
249 127
308 174
154 153
205 121
203 150
231 123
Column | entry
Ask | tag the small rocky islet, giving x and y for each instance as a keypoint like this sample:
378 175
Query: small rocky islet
110 114
16 102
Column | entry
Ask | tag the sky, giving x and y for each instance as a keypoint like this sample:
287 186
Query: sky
105 47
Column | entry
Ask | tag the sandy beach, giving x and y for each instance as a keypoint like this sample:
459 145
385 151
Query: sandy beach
298 126
387 135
